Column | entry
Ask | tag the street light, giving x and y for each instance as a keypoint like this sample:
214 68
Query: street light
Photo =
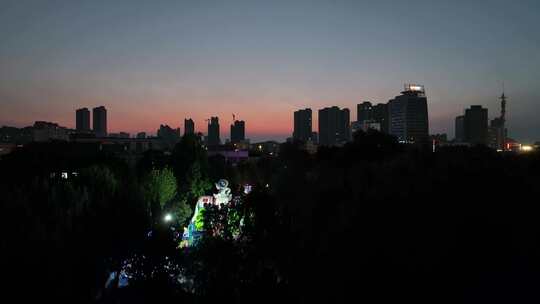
168 217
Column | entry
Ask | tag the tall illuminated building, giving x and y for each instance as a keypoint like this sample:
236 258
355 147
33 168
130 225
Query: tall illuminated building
408 115
82 120
302 125
100 121
213 132
334 126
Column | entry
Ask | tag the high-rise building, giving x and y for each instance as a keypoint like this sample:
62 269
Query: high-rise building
380 115
169 136
213 132
476 125
334 126
497 134
460 129
189 126
497 130
100 121
364 111
409 115
82 120
238 131
302 125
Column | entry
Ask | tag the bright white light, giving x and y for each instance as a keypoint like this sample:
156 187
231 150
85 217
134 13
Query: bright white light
526 148
64 175
168 217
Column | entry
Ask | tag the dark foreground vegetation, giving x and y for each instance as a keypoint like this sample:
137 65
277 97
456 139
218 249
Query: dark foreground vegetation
373 221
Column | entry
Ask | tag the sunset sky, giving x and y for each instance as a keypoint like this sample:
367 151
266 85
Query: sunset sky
158 62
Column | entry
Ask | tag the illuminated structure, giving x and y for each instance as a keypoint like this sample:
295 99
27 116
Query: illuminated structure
195 229
408 115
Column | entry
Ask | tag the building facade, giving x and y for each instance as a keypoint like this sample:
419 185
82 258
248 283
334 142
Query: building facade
380 115
476 125
364 111
302 125
497 134
213 132
168 135
189 126
100 121
409 115
82 120
238 132
459 129
44 131
334 126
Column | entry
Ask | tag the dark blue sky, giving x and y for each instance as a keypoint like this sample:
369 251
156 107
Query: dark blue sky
152 62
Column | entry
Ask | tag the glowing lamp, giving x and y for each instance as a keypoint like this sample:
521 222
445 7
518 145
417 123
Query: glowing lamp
526 148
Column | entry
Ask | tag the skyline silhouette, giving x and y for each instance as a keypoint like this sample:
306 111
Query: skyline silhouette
153 64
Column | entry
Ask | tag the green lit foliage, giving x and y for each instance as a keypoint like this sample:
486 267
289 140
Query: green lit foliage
225 221
191 169
198 184
159 187
181 210
199 220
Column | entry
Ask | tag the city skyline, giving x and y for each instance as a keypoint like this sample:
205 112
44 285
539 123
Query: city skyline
158 64
258 137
